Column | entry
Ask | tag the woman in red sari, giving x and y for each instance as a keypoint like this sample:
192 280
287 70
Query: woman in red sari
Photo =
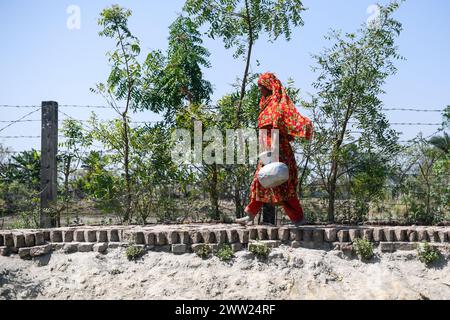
278 112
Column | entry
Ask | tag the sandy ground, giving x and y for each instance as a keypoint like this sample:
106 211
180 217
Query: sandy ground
287 274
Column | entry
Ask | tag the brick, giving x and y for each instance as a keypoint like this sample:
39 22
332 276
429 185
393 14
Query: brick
90 235
367 234
163 248
172 237
237 246
4 251
70 247
179 248
85 247
150 238
40 250
272 233
353 234
196 237
433 235
67 235
387 246
318 235
262 233
46 235
136 237
24 253
19 240
411 235
233 235
389 234
243 235
39 238
330 234
161 239
102 236
184 237
284 234
401 234
378 235
443 237
342 235
422 235
405 246
29 239
78 235
271 243
55 236
100 247
295 234
307 234
113 235
253 233
209 237
221 236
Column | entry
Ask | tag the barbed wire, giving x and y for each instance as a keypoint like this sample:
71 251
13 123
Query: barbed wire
211 107
20 119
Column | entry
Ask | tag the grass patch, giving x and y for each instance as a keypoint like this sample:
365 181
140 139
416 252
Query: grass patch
260 250
203 251
428 254
133 253
225 253
364 249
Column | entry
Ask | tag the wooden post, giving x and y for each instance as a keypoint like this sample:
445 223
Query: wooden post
49 149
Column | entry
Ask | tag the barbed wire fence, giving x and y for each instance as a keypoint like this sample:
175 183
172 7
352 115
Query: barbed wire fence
64 110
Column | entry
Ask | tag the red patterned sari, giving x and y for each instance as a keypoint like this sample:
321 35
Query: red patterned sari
278 112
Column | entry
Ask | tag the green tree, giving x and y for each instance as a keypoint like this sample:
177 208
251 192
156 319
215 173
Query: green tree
241 23
351 75
126 87
176 78
70 156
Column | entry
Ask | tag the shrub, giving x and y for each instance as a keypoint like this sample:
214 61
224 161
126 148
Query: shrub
225 253
203 251
134 252
260 250
428 254
364 249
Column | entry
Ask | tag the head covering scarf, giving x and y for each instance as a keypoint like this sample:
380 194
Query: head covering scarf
278 111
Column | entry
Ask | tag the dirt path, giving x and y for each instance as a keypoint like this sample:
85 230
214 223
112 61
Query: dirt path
288 274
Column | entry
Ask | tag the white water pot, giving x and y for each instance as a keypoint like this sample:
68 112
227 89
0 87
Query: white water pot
273 174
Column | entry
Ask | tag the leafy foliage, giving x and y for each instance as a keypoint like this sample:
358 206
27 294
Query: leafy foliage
260 250
225 253
203 251
428 254
364 249
349 84
134 252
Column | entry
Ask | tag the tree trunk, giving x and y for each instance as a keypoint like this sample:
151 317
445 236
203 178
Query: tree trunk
239 182
214 194
66 189
332 191
126 216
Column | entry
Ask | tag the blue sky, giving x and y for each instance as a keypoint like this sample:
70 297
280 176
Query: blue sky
41 59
